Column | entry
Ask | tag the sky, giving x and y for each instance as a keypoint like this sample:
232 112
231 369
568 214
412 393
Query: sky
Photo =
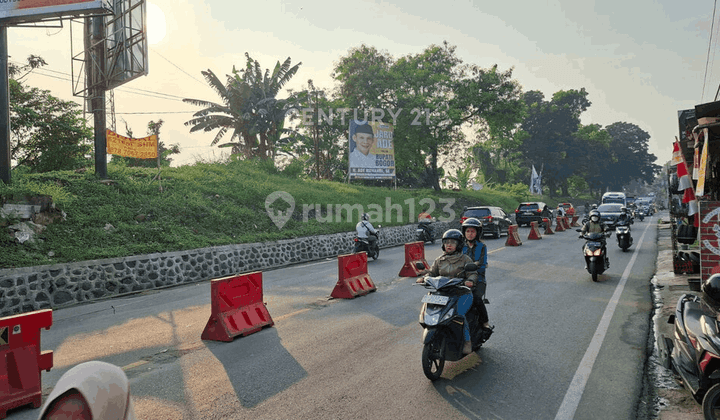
640 61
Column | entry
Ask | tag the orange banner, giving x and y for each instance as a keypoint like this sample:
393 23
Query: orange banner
144 148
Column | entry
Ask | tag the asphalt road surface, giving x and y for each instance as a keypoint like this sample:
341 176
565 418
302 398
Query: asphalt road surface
564 346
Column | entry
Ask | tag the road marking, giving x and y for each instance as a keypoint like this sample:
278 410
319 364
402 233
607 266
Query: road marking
495 250
134 364
577 386
291 314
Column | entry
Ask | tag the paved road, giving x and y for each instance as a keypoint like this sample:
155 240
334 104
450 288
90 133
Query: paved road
564 346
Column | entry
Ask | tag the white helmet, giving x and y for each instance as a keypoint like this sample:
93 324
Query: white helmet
365 216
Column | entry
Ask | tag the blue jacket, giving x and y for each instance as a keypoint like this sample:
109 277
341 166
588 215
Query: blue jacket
479 257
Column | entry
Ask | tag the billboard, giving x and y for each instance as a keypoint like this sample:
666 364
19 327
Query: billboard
22 11
371 149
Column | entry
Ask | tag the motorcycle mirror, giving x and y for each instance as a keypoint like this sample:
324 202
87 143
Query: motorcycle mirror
578 230
471 267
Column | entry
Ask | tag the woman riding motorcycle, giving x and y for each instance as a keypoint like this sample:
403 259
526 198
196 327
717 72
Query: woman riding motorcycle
594 225
452 264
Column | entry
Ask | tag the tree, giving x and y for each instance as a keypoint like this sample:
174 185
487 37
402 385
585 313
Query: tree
629 155
47 133
328 158
550 142
433 96
164 152
249 109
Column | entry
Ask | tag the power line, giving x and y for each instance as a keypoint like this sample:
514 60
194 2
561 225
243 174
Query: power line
707 62
176 66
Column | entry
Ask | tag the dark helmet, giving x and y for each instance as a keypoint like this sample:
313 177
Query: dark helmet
711 291
472 222
453 234
623 209
365 216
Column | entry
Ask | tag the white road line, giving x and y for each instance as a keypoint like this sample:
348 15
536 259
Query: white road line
574 393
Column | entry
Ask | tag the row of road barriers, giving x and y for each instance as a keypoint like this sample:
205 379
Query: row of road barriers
562 224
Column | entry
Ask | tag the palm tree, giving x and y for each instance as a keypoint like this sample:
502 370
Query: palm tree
249 108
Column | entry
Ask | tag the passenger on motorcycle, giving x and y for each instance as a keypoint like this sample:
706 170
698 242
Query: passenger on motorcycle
472 230
452 264
364 227
594 225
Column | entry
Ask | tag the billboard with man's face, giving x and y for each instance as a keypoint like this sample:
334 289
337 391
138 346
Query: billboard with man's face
371 150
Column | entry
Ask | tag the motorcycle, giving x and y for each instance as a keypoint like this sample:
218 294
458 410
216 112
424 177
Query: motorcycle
595 252
371 247
694 351
624 239
443 336
424 233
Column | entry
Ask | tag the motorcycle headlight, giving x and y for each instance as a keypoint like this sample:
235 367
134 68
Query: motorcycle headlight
448 315
588 251
597 252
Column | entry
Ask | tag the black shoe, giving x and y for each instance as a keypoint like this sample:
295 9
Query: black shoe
486 333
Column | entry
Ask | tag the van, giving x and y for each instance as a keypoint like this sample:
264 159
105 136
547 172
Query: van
614 197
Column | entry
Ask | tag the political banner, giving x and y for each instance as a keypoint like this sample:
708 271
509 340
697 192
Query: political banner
371 150
144 148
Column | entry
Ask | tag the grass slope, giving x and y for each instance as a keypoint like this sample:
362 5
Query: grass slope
207 204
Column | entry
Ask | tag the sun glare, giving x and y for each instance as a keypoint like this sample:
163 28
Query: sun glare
155 23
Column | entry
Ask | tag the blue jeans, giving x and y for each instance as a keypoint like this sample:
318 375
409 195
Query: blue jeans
464 304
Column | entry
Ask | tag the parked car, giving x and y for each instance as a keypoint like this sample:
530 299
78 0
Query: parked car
569 209
532 211
494 219
609 213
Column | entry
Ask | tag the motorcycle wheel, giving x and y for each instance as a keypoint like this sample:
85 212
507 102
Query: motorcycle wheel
593 271
432 363
711 403
376 254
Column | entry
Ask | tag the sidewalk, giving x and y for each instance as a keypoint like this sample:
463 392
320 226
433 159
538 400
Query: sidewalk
675 402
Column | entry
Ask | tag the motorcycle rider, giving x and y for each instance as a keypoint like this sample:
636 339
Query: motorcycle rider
624 218
424 220
594 225
472 230
452 264
364 227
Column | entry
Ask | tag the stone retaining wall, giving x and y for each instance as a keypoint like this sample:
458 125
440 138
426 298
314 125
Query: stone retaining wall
52 286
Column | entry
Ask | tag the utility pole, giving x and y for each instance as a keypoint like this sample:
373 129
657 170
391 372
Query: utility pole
317 147
96 27
4 108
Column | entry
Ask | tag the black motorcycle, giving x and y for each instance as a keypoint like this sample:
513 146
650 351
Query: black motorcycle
694 351
595 252
443 336
424 233
624 239
370 244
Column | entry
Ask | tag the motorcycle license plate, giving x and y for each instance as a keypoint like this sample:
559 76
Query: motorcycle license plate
435 299
527 214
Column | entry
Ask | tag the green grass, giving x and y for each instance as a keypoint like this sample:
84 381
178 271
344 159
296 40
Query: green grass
203 205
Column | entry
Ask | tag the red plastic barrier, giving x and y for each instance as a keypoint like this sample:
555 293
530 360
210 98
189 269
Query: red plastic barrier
559 225
414 253
534 231
513 239
353 277
237 307
575 221
548 228
21 359
566 223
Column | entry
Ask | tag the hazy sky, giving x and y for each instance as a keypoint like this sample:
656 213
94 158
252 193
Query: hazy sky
641 61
